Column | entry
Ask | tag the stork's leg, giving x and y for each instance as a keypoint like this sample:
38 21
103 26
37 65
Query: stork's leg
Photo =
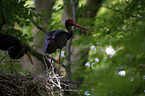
59 62
2 59
4 55
3 62
12 67
51 58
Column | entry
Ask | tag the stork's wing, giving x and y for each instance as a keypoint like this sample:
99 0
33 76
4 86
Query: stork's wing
55 40
7 41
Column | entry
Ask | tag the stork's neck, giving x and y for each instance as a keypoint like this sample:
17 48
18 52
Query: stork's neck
70 31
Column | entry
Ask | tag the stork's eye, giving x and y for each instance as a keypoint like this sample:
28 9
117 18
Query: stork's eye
71 21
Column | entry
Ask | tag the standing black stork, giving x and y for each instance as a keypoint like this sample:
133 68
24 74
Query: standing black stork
14 47
57 39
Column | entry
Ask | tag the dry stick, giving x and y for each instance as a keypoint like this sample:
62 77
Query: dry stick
57 79
68 81
54 73
59 62
45 63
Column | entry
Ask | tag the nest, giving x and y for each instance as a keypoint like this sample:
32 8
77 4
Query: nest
44 84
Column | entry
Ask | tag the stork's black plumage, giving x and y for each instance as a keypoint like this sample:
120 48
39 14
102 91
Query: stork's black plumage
57 39
14 47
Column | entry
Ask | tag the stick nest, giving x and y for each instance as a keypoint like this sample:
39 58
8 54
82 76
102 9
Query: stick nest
45 84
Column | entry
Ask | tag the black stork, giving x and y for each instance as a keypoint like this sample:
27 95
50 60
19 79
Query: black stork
57 39
14 47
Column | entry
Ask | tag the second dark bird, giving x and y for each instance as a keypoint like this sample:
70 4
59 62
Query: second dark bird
57 39
14 47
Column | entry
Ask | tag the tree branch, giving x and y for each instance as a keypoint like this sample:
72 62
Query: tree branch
32 20
69 81
68 46
135 16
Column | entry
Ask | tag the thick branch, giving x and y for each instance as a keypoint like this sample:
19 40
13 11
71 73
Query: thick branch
68 47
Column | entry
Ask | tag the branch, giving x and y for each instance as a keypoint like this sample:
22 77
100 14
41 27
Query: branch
136 16
37 25
74 4
69 81
68 46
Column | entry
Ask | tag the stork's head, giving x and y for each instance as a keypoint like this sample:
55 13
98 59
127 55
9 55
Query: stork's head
26 50
69 23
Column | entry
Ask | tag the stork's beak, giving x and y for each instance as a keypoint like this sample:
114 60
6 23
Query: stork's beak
30 58
77 25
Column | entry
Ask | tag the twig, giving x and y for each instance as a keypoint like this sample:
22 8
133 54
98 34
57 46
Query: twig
58 81
68 90
125 2
9 61
125 13
65 84
69 81
45 63
52 75
37 25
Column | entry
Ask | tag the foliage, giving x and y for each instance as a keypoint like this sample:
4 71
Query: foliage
119 24
14 12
